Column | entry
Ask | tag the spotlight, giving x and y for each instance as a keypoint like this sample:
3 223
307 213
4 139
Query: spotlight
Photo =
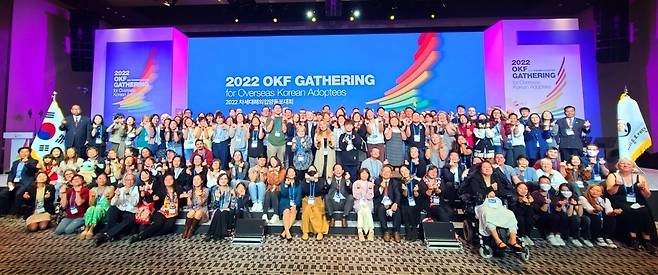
236 20
309 14
392 17
169 3
314 19
356 13
275 20
351 18
432 16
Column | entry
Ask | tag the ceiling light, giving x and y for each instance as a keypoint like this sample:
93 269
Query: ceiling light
356 13
392 17
432 16
236 20
275 20
309 14
314 19
169 3
351 18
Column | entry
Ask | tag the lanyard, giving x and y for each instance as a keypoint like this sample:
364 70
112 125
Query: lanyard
72 200
312 190
410 192
411 167
291 193
221 199
626 188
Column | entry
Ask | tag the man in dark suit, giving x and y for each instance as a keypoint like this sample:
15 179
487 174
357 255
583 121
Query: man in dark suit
351 144
339 196
387 203
78 131
570 132
21 175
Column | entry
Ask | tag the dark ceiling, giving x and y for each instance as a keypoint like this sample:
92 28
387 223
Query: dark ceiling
120 13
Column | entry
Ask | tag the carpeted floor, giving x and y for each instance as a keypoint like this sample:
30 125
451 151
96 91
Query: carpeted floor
45 253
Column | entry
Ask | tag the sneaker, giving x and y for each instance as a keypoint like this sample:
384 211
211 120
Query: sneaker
265 218
610 243
275 219
587 243
559 239
551 239
527 241
600 242
576 242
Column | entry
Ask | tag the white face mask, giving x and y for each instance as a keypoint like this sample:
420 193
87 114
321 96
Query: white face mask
566 194
545 187
592 153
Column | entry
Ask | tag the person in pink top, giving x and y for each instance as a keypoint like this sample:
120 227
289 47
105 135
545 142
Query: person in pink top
363 192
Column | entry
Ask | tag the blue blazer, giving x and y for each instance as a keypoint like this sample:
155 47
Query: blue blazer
294 191
531 138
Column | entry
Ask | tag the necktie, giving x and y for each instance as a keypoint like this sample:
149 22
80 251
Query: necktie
77 120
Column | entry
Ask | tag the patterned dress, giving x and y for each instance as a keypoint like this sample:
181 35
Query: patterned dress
96 214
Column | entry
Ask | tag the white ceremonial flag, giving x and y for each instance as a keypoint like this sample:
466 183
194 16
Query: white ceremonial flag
49 134
632 132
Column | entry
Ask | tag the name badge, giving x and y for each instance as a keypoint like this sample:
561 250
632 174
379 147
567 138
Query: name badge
597 177
436 200
292 203
389 213
17 179
289 143
349 147
631 198
386 201
39 209
113 179
412 201
300 158
635 206
172 209
325 152
277 134
337 197
128 142
99 140
254 144
580 184
416 138
569 132
74 210
311 200
238 139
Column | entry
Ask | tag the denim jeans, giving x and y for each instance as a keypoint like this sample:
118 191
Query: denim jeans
69 226
257 192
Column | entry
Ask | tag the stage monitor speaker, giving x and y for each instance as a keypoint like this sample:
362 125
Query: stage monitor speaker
440 235
82 26
249 232
612 33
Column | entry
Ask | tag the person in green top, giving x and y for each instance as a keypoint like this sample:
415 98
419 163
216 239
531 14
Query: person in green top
277 137
99 201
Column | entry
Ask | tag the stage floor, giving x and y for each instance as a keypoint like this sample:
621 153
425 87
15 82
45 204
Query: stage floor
45 253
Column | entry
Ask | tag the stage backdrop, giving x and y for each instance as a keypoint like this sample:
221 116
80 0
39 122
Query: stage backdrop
139 71
422 70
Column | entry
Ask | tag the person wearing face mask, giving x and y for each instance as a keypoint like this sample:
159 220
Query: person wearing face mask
630 191
596 164
523 212
547 221
486 189
577 224
313 212
601 214
483 146
387 202
548 171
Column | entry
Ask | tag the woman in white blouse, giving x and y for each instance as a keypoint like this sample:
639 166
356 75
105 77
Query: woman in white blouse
601 214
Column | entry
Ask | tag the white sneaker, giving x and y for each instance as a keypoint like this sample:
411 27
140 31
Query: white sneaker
528 241
600 242
576 243
274 219
559 240
265 218
551 239
610 243
587 243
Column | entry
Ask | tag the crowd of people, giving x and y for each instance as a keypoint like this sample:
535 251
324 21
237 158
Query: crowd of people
520 170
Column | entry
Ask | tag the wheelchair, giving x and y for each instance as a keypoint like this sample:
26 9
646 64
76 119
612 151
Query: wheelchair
486 245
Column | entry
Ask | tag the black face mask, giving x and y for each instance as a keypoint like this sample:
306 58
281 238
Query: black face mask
312 173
